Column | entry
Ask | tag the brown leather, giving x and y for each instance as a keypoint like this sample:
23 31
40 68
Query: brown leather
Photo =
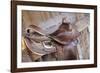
64 43
67 52
67 49
64 35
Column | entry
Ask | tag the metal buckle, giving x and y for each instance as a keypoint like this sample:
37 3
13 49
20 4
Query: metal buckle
47 44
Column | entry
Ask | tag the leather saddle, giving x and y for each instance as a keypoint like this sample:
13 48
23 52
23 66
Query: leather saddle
62 43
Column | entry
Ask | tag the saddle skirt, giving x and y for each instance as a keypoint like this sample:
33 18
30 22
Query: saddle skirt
39 48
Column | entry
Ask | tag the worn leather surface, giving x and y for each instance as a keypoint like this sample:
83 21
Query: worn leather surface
62 46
